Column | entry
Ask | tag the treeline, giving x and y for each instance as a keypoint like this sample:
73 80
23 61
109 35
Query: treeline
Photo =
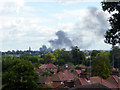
18 72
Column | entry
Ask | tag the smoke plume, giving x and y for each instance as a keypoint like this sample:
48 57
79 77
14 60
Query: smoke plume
92 30
96 21
62 42
87 31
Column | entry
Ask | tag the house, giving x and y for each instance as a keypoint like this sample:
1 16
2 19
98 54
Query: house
49 67
80 81
45 80
106 83
96 86
58 85
66 78
66 67
115 71
77 73
94 80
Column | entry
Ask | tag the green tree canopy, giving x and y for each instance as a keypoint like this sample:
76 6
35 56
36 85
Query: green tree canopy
19 74
112 35
78 56
94 54
49 58
115 57
101 65
62 56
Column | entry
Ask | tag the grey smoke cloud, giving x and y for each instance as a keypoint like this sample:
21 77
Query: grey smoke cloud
94 22
85 32
62 42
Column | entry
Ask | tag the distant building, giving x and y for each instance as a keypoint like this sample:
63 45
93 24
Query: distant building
29 48
45 49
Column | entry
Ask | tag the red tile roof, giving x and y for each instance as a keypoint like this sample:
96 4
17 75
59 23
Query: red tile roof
43 79
39 71
47 66
102 81
66 66
78 71
114 80
63 76
56 84
81 81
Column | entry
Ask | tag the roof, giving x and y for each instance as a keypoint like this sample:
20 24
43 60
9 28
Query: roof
113 79
81 81
78 71
39 71
94 80
43 79
56 84
44 66
63 76
95 86
66 66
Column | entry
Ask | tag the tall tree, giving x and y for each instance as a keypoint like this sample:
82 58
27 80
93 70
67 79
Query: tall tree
18 75
77 56
62 56
112 35
115 53
49 58
101 65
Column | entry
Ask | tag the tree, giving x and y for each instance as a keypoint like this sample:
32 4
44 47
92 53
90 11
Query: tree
112 36
78 56
62 56
115 56
49 58
101 65
18 75
94 54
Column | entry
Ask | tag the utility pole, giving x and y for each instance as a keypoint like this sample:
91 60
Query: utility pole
90 64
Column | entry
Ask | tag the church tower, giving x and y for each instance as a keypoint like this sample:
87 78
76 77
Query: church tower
29 48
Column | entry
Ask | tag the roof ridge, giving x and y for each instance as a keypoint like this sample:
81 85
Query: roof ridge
108 82
115 79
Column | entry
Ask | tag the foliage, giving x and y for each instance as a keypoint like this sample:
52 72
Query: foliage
78 56
112 35
94 54
49 58
77 67
19 74
49 86
115 56
47 73
101 65
62 56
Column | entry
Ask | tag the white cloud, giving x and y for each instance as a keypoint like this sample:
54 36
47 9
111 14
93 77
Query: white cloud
71 14
64 1
10 6
75 1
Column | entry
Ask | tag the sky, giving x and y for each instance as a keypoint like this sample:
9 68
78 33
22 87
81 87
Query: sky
54 23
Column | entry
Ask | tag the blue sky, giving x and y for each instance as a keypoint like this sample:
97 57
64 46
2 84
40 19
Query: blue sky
25 23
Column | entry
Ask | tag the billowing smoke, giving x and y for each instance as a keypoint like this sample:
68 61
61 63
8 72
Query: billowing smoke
96 21
62 42
87 31
91 28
